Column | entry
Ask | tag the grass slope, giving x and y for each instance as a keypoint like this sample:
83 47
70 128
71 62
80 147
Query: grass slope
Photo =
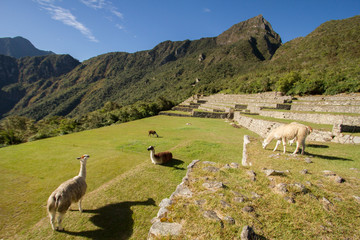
310 216
124 188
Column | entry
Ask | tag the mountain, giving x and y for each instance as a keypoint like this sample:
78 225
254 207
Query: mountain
326 61
248 57
170 69
20 47
21 79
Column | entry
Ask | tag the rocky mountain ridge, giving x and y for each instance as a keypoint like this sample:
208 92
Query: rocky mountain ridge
19 47
117 76
248 57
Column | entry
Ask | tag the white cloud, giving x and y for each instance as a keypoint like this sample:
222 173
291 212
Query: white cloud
103 4
45 2
96 4
66 17
207 10
117 13
121 27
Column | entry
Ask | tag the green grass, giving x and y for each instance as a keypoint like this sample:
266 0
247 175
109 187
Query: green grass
124 188
274 217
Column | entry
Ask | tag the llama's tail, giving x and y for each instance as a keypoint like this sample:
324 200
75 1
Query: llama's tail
57 200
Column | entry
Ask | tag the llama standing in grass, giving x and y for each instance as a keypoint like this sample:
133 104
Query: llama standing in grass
152 132
159 158
289 132
69 192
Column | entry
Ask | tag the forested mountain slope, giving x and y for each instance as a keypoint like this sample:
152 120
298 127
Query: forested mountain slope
248 57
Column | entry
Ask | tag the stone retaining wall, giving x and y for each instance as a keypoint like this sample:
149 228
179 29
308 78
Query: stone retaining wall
212 115
314 117
325 108
263 127
338 97
327 102
246 99
182 109
174 114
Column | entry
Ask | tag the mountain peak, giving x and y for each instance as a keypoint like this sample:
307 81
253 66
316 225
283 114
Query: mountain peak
246 30
20 47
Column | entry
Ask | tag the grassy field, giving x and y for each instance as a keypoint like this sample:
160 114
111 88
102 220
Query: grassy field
124 188
307 216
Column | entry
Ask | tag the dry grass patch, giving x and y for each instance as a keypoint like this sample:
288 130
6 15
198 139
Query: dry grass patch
295 204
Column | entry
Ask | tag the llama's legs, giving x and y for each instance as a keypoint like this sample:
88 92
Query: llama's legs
297 148
52 215
80 209
284 144
59 220
277 144
303 148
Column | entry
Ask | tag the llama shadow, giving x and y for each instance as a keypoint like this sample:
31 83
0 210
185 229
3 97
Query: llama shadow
114 220
174 164
333 158
317 146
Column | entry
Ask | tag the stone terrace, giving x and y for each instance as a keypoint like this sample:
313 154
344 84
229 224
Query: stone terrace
342 111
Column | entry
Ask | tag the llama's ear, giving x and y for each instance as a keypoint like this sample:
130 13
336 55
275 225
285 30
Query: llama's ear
78 158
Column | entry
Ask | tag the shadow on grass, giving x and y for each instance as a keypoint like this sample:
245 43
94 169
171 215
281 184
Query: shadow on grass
174 164
328 157
114 220
317 146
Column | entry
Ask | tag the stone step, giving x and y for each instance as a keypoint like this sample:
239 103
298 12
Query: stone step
325 108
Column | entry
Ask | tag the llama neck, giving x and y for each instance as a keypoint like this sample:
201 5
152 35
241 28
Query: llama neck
269 138
82 172
152 156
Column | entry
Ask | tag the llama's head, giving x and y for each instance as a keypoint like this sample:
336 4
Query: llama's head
309 129
264 144
150 148
83 158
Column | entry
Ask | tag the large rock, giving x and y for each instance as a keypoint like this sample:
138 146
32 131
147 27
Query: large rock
164 229
248 233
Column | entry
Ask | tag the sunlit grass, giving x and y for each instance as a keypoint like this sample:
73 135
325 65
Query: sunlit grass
120 175
274 217
124 188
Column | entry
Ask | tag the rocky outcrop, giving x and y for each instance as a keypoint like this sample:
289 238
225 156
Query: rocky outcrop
259 34
161 227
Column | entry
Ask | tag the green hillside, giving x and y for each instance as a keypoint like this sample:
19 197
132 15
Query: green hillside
324 62
174 70
247 58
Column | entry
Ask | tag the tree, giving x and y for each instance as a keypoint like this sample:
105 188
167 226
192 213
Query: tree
287 82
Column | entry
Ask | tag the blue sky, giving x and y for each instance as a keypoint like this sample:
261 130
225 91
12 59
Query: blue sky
87 28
